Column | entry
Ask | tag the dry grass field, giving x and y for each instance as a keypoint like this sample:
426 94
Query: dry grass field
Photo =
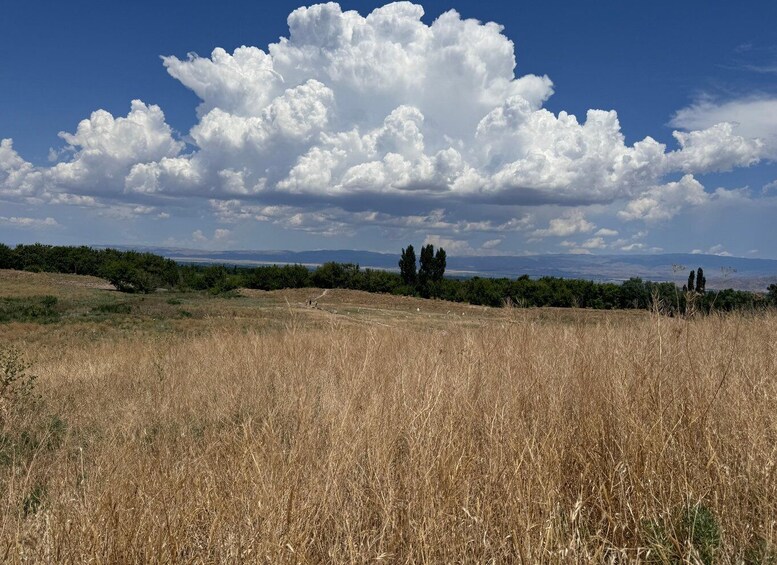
183 428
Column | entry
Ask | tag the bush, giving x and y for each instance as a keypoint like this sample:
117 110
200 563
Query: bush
16 384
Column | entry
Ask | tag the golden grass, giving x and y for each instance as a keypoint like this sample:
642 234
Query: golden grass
530 436
21 283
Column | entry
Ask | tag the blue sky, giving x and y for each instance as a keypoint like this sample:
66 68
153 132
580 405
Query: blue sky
372 132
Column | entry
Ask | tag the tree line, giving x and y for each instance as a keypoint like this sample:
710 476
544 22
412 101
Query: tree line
133 271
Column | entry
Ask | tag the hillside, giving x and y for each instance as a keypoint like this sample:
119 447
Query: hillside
312 426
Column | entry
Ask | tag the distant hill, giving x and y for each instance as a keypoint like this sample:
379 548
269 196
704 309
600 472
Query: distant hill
748 274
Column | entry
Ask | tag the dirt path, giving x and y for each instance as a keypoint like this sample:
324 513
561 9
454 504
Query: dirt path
320 296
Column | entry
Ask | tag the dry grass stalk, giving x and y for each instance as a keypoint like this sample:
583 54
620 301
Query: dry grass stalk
523 440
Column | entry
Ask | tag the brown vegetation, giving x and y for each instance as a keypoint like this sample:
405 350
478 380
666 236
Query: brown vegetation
516 436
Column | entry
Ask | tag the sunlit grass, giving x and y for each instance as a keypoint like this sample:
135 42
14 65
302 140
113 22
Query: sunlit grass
397 435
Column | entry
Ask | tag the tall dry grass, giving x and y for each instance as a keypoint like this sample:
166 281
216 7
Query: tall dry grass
524 440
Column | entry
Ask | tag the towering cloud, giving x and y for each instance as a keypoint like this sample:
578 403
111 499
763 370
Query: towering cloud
368 114
104 149
15 173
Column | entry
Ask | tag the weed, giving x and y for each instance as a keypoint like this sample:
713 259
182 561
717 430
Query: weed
694 529
759 553
16 383
700 527
34 499
56 430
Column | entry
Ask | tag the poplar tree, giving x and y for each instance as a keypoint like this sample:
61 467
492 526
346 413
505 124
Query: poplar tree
407 268
701 281
440 262
426 264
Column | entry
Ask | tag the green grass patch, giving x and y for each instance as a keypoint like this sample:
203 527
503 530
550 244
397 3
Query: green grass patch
21 445
693 533
39 309
114 308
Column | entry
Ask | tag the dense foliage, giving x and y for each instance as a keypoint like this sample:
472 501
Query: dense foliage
407 266
132 271
129 271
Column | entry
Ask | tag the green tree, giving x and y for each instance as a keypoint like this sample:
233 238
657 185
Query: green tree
691 280
773 294
426 265
701 281
6 257
31 257
336 275
127 278
440 262
634 293
407 266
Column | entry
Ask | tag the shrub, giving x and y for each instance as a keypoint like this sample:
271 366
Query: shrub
16 383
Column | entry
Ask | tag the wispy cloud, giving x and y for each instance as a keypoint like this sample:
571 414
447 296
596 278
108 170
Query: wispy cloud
23 222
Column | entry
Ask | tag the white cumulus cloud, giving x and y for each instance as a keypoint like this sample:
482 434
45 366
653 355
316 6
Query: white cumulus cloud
105 148
750 117
663 202
571 223
382 119
716 148
18 178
